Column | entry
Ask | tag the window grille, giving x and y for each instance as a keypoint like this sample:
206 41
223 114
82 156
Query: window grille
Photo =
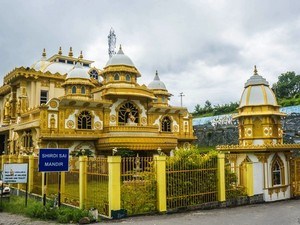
94 74
166 124
128 114
84 120
44 97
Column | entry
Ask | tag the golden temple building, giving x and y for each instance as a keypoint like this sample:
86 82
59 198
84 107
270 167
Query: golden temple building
65 102
261 152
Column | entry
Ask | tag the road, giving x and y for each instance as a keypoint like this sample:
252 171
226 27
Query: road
276 213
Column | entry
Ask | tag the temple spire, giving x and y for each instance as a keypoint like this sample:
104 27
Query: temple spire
81 56
156 76
44 52
71 52
60 51
255 70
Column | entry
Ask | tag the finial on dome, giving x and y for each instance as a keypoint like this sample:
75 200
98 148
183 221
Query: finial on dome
156 76
71 52
255 70
120 50
81 56
60 51
44 52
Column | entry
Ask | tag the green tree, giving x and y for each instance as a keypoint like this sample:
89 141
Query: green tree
287 86
207 106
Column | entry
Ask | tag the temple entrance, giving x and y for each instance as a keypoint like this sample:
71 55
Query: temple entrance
295 176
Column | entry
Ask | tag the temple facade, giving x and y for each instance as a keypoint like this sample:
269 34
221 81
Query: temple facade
65 102
261 160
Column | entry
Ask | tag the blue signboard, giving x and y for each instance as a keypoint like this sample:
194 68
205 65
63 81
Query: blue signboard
53 160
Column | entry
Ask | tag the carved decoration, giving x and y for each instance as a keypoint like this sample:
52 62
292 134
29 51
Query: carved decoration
144 120
70 124
53 104
98 125
176 128
112 118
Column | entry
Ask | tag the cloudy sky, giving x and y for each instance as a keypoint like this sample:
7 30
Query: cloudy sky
203 48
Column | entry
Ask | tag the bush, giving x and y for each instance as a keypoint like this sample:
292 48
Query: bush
35 209
139 194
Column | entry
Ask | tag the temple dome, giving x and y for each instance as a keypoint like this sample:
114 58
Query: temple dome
120 59
42 63
157 84
257 92
78 72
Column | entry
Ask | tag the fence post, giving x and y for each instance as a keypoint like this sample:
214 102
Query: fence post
82 181
62 186
114 183
249 179
20 160
221 178
160 167
30 172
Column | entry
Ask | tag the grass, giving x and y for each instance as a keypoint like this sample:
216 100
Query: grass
35 209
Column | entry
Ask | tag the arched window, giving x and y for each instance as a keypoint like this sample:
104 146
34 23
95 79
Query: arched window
277 171
74 90
82 90
94 74
117 76
84 120
166 124
128 77
128 114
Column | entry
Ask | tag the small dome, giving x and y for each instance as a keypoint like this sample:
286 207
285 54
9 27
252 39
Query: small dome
120 59
157 84
78 72
257 92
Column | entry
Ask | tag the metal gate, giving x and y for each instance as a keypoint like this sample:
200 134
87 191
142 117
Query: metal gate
295 176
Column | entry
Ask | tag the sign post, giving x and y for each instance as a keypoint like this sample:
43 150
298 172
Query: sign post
16 173
53 160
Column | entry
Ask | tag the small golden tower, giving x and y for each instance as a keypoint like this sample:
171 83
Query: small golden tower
259 116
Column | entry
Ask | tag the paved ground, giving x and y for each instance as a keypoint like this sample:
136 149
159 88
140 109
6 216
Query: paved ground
278 213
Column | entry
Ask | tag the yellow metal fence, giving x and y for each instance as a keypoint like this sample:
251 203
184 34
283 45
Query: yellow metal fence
97 184
295 176
191 182
70 193
138 185
186 182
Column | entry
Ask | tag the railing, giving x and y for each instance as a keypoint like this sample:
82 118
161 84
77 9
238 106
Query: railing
191 182
188 181
123 128
97 183
71 192
138 185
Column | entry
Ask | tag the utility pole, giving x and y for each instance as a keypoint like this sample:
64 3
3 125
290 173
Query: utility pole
181 95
